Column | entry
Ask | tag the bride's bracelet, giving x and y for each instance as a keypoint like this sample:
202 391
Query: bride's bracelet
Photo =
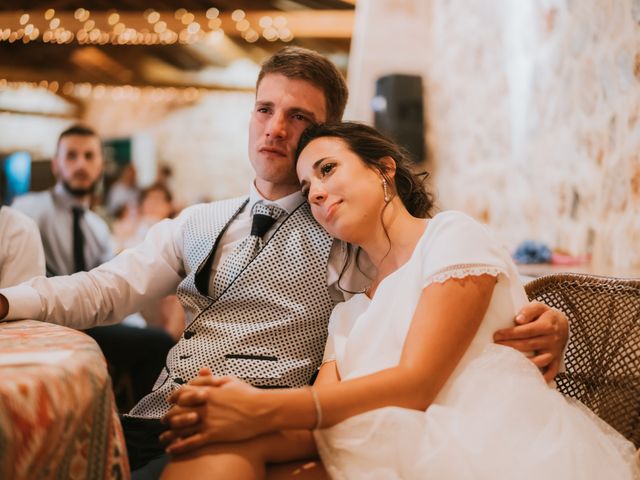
316 404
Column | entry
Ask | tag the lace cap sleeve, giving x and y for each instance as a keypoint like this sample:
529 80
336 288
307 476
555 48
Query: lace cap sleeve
460 247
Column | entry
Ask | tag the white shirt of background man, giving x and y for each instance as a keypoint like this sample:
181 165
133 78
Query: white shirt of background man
21 253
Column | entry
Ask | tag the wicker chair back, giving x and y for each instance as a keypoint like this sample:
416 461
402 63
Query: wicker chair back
603 355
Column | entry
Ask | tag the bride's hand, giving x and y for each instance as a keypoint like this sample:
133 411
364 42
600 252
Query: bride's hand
542 330
213 409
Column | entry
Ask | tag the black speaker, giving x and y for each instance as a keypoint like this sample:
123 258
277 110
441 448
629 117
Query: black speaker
398 112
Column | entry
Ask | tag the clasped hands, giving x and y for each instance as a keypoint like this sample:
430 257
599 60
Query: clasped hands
213 409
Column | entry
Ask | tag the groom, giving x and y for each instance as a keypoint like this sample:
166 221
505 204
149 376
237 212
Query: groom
260 303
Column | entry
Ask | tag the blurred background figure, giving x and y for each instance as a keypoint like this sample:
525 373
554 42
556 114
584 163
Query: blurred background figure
123 194
76 239
155 204
164 177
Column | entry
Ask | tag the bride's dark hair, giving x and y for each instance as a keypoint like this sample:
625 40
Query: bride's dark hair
371 146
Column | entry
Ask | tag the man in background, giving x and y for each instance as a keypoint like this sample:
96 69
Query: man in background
75 239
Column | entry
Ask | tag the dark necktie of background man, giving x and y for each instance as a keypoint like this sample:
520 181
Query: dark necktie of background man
78 240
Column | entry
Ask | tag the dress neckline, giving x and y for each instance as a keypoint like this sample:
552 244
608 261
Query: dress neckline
401 267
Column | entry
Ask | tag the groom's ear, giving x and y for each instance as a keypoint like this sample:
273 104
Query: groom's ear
388 166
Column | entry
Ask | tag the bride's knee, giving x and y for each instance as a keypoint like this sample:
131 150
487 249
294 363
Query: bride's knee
237 460
305 470
254 449
247 459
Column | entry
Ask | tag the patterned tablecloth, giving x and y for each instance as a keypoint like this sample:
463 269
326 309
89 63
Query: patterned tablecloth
57 413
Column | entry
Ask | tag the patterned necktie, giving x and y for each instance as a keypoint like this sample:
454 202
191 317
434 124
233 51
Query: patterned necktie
78 240
264 216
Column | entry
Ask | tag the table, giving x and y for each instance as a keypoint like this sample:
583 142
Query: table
57 412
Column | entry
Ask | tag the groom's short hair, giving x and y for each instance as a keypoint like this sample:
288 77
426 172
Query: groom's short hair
308 65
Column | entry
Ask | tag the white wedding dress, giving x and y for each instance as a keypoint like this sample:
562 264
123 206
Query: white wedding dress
495 418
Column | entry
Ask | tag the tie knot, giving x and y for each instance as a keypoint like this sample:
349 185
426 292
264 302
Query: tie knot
264 216
77 211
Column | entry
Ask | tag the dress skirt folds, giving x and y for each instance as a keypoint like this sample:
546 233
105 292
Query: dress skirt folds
501 421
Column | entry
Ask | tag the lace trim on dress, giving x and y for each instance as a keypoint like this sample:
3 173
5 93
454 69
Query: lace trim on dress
463 270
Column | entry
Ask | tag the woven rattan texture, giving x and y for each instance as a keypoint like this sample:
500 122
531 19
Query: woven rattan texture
603 356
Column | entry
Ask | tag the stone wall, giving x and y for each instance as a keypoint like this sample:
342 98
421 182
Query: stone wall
532 112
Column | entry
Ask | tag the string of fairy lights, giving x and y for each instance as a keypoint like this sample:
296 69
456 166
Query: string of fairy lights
159 28
126 93
165 28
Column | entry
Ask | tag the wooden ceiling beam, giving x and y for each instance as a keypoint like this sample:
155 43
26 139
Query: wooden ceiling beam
333 24
96 62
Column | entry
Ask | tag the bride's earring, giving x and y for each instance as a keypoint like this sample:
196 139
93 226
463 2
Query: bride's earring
385 189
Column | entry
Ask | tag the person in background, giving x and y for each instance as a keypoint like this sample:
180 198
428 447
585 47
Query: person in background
155 203
123 193
164 176
21 252
76 239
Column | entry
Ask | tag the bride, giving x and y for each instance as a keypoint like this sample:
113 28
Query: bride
412 385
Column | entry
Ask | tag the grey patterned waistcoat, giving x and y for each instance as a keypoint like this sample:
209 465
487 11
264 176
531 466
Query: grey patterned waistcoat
269 326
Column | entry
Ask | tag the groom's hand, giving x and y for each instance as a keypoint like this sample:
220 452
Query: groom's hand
213 409
539 329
